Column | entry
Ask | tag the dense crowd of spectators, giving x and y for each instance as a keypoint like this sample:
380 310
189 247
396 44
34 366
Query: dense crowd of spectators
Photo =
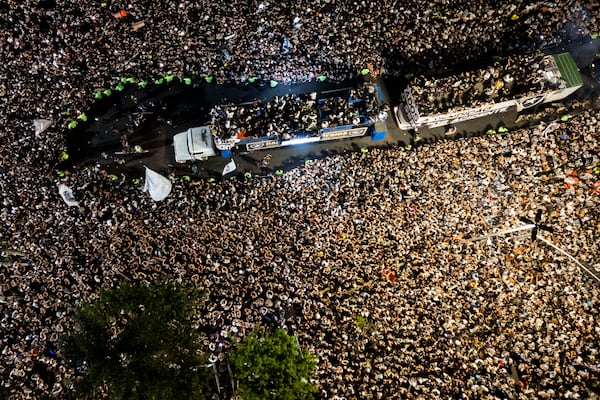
516 77
71 49
283 116
297 115
360 106
359 254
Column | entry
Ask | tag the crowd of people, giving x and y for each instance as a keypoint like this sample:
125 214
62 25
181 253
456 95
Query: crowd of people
297 115
361 106
282 116
516 77
72 50
360 254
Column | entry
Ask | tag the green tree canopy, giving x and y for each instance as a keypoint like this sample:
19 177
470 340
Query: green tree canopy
271 365
137 342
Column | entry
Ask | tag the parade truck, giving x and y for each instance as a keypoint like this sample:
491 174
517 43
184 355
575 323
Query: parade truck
362 108
519 81
333 115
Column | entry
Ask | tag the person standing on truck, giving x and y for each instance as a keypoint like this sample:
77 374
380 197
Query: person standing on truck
264 162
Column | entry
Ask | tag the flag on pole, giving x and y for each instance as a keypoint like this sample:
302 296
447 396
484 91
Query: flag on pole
229 168
157 185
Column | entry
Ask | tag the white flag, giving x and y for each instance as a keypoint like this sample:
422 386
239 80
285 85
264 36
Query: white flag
286 45
41 125
157 185
230 167
67 195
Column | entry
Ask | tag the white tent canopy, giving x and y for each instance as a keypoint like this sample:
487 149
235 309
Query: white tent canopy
157 185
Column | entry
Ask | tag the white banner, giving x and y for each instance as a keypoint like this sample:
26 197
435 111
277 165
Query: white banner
262 144
344 133
229 167
157 185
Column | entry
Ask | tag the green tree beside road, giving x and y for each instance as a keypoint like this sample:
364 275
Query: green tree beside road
271 365
137 342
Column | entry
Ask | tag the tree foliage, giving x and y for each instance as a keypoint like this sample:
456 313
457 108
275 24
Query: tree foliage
271 365
137 342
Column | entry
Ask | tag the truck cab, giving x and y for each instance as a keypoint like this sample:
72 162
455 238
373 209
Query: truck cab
195 144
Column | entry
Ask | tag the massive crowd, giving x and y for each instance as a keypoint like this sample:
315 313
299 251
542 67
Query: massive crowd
282 117
297 115
359 254
69 51
360 106
517 76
